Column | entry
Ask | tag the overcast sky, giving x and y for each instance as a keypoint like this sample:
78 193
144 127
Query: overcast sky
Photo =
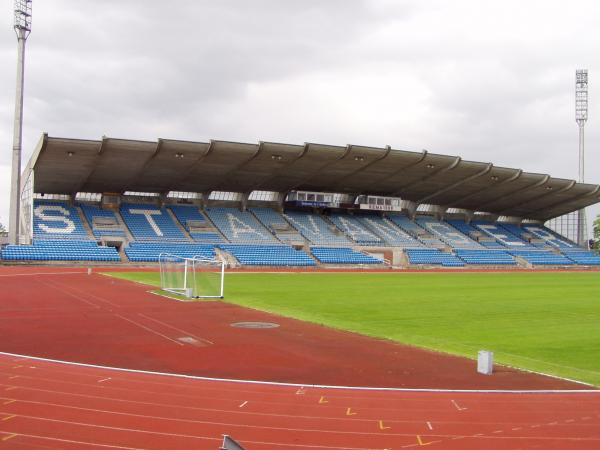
488 81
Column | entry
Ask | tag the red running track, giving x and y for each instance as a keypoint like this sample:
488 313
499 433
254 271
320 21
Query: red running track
45 404
94 319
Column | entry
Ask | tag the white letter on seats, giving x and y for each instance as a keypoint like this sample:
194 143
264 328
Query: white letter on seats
496 233
148 213
40 212
241 227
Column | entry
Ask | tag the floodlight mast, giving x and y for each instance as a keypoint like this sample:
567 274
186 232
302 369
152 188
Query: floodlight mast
22 28
581 115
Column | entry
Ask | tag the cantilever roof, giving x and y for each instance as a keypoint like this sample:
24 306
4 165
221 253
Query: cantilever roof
68 166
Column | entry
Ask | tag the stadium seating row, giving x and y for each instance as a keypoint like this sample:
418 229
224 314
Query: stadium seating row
265 229
431 256
268 255
342 255
60 251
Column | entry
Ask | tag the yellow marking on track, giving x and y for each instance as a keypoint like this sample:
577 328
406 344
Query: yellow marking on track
17 367
9 417
349 412
382 426
10 436
420 441
9 402
322 400
10 388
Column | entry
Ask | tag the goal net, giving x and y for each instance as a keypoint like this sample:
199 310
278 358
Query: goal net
195 277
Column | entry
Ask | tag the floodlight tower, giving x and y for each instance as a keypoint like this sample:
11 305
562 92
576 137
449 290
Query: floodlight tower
581 115
22 29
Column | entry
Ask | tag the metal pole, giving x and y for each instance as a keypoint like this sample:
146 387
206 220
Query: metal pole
581 219
222 279
581 115
15 188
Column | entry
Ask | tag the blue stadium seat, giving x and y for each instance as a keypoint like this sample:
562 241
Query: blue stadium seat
355 230
447 234
268 255
185 214
412 228
240 226
150 251
315 229
503 234
63 250
486 257
389 232
432 256
539 257
342 255
582 257
276 224
467 229
550 237
94 211
150 223
57 220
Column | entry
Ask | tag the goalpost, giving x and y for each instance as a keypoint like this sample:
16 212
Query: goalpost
196 277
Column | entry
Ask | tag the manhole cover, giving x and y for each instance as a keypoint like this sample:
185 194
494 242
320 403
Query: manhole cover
255 325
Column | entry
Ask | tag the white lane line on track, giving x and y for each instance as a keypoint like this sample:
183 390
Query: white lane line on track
120 447
175 328
76 297
190 436
70 441
318 386
35 274
243 404
103 380
149 329
429 425
204 392
190 408
78 292
176 405
207 422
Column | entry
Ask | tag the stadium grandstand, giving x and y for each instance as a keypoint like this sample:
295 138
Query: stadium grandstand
270 204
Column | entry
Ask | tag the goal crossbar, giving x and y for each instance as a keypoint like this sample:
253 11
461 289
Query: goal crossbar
192 277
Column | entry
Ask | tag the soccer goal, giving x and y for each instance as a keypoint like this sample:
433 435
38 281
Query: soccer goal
196 277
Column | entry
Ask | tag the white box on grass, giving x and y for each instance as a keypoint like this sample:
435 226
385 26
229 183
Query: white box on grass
485 362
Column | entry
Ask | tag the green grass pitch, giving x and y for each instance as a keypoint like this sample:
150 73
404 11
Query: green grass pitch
541 321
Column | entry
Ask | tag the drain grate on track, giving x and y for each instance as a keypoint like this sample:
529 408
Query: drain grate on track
255 325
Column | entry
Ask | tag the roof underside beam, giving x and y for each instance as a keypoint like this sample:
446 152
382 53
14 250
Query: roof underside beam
537 198
482 207
457 184
561 202
450 166
401 170
84 180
